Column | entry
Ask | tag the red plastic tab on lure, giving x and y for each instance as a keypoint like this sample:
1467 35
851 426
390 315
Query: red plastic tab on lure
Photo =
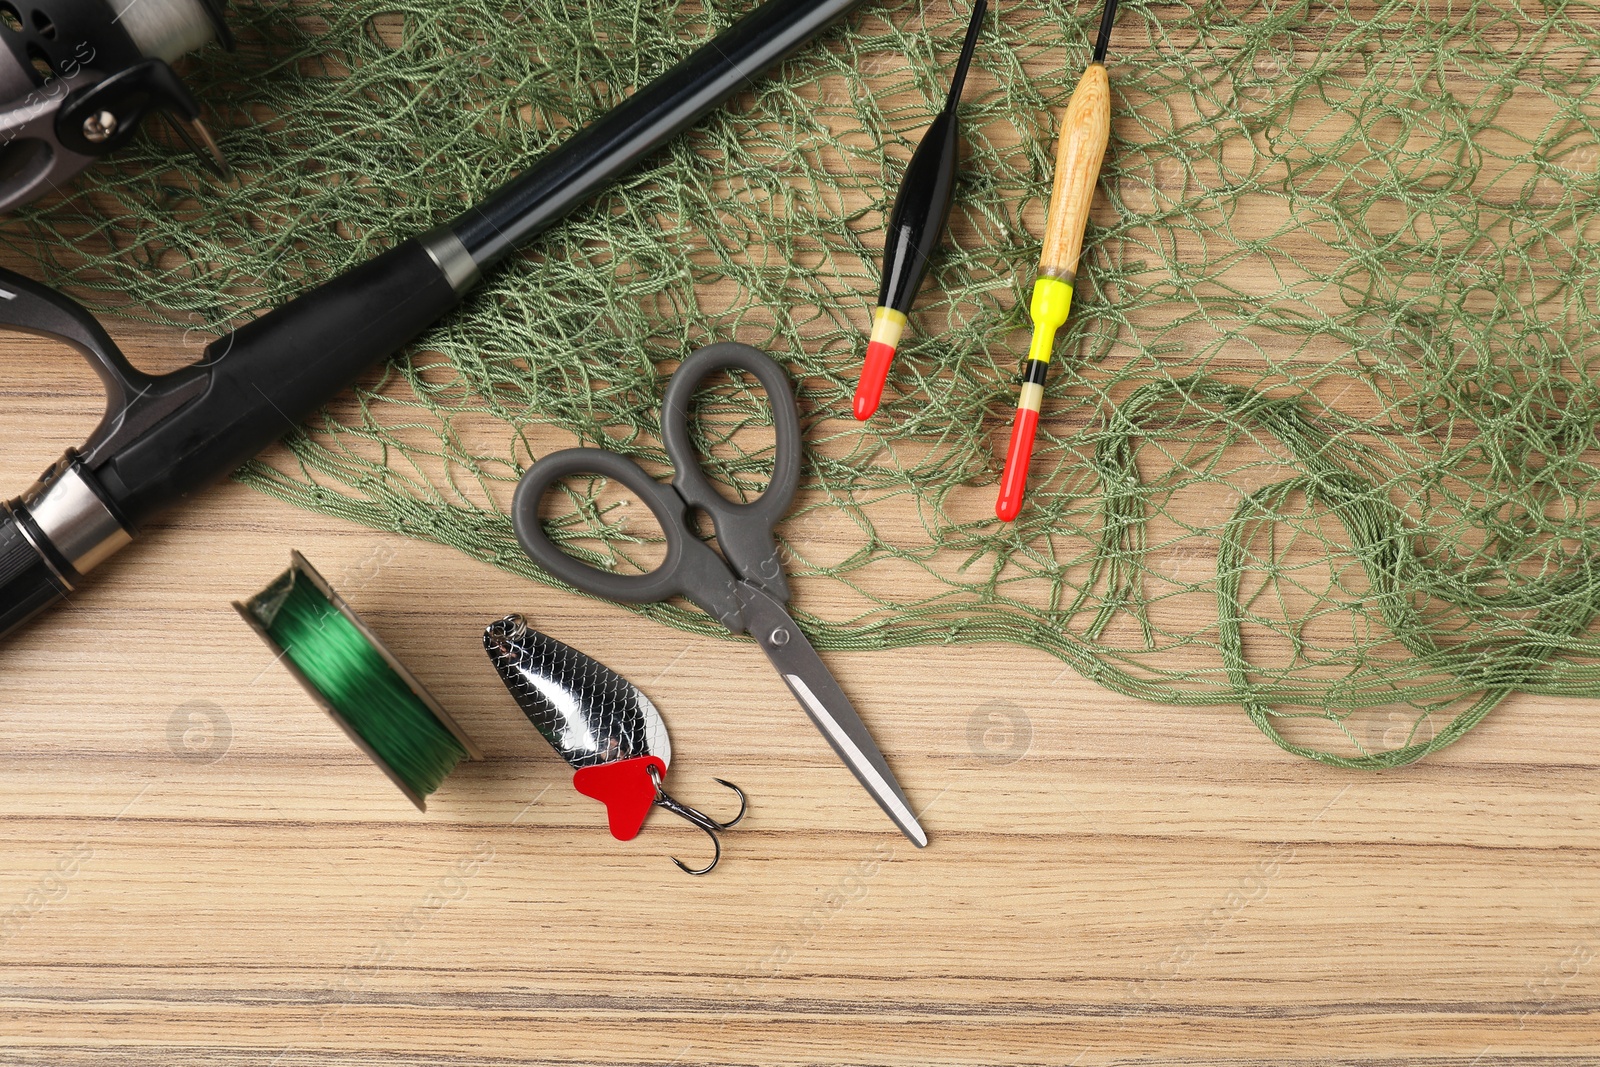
626 788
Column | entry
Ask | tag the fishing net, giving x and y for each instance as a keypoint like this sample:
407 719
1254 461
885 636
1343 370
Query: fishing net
1320 438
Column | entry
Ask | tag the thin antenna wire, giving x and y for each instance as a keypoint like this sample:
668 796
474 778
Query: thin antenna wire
1104 39
960 79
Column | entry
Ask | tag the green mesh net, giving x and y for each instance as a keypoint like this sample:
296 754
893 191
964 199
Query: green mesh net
1320 440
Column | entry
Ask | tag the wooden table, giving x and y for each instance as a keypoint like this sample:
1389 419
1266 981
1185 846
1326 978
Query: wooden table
202 870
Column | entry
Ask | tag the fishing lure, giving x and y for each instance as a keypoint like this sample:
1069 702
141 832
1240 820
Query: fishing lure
601 724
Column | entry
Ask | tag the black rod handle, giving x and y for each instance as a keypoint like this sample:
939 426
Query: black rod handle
269 374
175 435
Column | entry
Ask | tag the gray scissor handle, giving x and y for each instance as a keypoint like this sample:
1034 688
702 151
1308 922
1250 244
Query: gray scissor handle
691 569
744 531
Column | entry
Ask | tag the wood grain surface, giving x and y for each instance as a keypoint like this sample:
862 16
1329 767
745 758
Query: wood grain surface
200 869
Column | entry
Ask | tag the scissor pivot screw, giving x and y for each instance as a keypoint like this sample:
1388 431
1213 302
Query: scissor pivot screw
99 126
780 637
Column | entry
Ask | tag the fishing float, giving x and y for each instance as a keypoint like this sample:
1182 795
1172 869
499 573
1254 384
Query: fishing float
1085 132
916 226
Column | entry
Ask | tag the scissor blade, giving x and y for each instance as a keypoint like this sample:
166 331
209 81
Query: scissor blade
813 685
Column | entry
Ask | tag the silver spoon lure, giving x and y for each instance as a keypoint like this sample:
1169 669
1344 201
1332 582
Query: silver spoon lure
602 725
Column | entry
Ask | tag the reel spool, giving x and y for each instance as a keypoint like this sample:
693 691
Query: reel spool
344 666
78 76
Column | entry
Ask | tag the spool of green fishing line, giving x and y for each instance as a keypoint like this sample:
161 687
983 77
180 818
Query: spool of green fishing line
347 669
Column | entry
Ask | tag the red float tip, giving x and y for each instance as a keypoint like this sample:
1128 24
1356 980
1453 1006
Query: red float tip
874 372
1015 477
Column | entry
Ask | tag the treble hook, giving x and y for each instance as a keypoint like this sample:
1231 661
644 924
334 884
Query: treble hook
699 818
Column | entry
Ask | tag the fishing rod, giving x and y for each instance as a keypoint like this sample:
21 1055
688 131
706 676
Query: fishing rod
166 437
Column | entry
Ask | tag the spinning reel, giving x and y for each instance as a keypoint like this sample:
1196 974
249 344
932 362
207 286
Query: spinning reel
78 76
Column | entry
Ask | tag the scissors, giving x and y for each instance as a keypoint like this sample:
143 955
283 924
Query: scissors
745 588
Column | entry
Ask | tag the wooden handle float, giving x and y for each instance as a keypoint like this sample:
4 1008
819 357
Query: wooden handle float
1085 132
